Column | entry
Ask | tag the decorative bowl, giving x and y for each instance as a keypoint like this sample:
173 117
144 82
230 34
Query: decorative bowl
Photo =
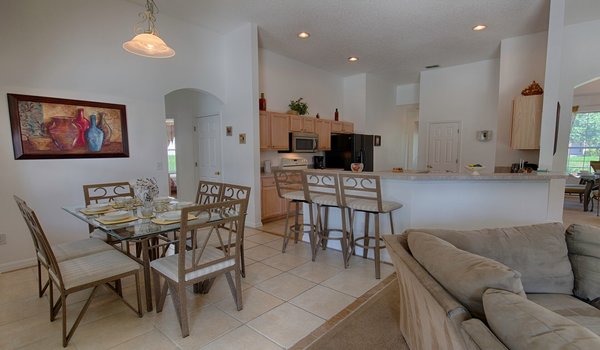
475 169
357 167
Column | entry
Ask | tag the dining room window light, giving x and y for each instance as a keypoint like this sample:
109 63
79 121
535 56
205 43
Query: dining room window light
584 142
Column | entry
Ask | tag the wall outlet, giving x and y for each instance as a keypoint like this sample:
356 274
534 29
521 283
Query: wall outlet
2 238
242 139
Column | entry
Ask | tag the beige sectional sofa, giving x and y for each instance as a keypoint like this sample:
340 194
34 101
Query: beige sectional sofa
526 287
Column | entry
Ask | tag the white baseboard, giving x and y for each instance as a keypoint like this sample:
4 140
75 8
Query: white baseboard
16 265
254 224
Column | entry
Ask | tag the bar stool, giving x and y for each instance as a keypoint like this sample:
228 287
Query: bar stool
362 193
290 188
322 190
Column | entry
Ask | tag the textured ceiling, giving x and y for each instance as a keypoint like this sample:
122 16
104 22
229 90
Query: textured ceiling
591 88
393 38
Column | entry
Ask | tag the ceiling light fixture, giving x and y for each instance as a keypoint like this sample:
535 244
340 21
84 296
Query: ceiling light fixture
479 27
303 35
352 59
147 43
432 66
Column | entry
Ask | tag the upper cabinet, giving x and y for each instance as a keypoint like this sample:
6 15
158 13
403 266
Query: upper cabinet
323 130
274 130
301 124
526 122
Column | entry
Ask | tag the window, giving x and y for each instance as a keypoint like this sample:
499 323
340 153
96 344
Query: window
584 142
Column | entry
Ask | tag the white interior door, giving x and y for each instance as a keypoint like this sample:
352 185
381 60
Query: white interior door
208 162
443 146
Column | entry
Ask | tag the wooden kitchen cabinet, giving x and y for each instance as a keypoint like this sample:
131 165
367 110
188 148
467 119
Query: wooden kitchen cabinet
336 127
274 130
272 207
323 130
302 124
526 122
308 124
295 123
347 128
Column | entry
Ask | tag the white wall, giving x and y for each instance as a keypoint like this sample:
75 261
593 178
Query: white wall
283 79
579 64
241 162
184 106
468 94
522 60
385 119
587 103
61 50
355 101
407 94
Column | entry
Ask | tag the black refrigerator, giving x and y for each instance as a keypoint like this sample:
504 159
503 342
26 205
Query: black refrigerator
350 148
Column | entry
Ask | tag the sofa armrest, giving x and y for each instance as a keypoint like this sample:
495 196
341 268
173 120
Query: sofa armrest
480 336
583 242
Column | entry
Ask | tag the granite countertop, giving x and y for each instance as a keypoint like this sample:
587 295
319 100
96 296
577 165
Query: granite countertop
414 176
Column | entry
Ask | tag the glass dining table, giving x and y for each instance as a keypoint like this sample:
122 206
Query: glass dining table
140 230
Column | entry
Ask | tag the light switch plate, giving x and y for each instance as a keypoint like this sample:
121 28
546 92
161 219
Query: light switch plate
242 139
228 131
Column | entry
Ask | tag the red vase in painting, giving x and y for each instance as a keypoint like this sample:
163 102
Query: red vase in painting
64 132
83 124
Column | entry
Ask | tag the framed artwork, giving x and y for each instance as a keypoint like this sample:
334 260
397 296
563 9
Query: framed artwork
377 141
51 128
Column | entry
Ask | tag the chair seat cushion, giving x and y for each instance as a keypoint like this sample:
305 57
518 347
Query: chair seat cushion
294 196
325 199
76 249
523 324
371 205
571 308
89 269
168 266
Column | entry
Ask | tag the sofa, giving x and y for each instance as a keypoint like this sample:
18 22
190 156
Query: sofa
526 287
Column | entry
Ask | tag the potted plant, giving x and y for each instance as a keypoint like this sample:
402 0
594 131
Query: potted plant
299 107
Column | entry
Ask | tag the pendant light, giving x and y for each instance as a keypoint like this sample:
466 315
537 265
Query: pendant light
147 43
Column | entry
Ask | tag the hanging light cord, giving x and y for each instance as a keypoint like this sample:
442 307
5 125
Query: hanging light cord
147 16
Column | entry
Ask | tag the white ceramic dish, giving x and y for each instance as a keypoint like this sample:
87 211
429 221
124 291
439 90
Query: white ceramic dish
170 215
98 207
181 205
116 215
162 199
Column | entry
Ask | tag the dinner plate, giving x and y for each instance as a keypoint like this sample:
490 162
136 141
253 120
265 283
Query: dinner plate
121 200
116 215
170 215
181 205
98 207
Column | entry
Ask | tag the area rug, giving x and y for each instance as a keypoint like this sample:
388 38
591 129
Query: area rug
371 322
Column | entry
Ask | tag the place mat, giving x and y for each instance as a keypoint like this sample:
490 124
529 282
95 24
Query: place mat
95 212
111 222
169 222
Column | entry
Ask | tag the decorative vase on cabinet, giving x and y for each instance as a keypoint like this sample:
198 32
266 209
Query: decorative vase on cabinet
94 136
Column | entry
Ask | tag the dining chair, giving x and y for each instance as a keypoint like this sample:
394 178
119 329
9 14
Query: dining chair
77 274
62 252
105 192
362 194
201 261
208 192
235 192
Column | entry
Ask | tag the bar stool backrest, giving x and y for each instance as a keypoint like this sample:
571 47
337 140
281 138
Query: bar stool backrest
318 183
360 187
288 181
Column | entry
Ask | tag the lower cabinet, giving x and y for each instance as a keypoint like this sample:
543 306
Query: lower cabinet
272 207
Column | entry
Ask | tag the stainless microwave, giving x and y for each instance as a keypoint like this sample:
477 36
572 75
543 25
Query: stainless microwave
303 142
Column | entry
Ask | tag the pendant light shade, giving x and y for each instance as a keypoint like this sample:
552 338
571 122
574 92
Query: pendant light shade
147 43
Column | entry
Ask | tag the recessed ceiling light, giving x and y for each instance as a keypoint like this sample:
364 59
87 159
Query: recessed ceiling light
352 59
303 35
479 27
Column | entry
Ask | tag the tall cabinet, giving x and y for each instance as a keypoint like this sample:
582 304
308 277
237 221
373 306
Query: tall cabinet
526 122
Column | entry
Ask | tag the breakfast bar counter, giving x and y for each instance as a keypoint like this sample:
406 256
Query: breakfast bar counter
464 201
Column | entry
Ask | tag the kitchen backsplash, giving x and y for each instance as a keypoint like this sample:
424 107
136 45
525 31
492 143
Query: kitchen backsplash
275 157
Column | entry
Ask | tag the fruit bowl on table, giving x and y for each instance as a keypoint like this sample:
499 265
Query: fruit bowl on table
474 168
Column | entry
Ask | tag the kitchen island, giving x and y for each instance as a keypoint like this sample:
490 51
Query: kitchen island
464 201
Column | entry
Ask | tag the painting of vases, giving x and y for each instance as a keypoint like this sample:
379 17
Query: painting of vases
46 127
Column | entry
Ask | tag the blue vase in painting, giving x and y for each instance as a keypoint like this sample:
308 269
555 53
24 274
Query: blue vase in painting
94 136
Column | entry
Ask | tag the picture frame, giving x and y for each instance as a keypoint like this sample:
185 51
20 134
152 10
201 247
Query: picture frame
377 141
54 128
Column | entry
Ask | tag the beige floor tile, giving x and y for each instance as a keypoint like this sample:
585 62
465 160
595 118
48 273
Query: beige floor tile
153 340
249 231
205 324
286 324
255 302
249 244
285 286
331 257
51 343
316 272
258 272
242 338
29 330
121 327
275 244
262 238
20 289
285 262
322 301
299 249
352 282
260 252
22 309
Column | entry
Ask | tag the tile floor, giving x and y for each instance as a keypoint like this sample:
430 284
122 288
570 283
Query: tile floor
286 297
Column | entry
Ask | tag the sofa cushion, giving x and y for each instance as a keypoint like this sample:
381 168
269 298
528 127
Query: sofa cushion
583 242
480 336
522 324
538 252
465 275
570 307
